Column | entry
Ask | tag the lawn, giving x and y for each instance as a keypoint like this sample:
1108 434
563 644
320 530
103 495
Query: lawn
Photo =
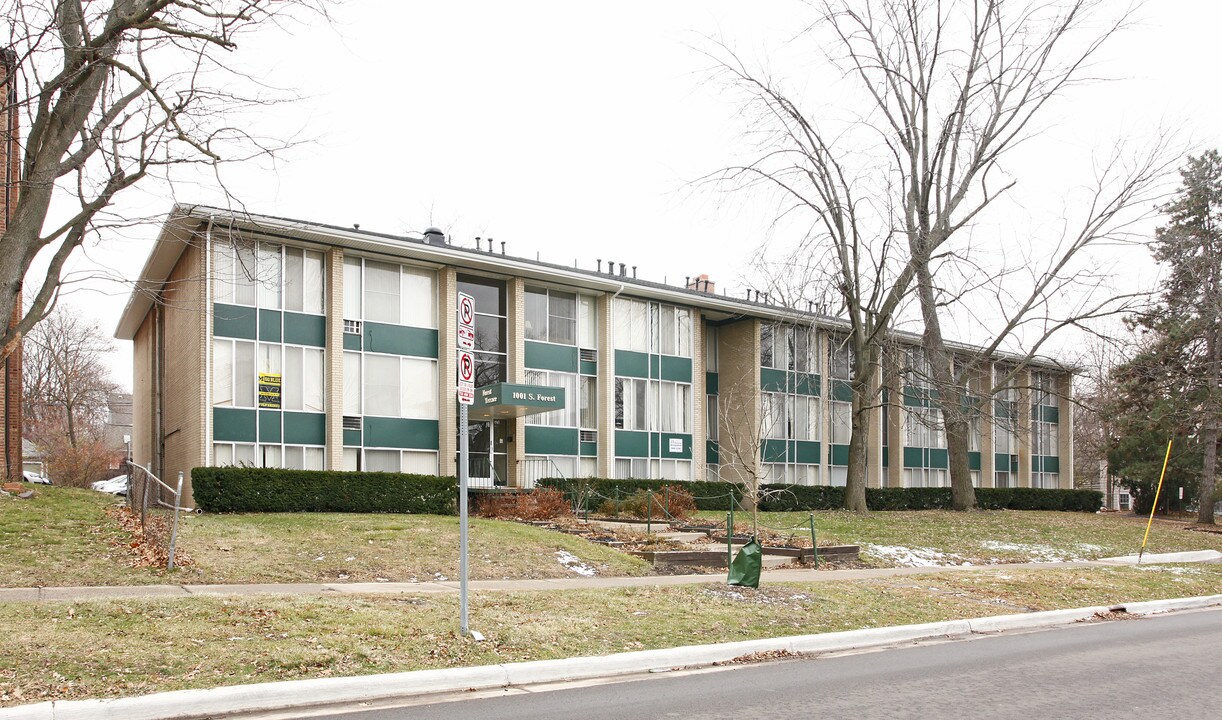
937 537
63 537
114 648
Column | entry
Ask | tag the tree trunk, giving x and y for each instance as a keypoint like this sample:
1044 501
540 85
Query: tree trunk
963 496
855 484
1209 470
1209 433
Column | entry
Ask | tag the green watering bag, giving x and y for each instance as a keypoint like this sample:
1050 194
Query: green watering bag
745 569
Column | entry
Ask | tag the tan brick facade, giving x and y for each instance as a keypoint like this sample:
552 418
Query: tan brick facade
738 396
447 369
606 385
334 359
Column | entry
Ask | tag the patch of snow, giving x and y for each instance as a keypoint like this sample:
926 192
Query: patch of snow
1174 570
574 563
913 557
1038 553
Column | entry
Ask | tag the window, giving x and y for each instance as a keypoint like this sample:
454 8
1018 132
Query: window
269 276
1001 479
842 422
302 383
647 327
791 473
398 386
551 316
842 359
490 355
389 293
234 272
926 477
401 461
711 425
588 402
710 348
631 405
303 457
303 284
233 373
923 428
675 407
239 454
352 383
567 416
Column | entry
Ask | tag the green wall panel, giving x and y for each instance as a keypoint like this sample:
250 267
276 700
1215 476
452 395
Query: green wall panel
807 451
401 433
711 452
1002 461
676 369
234 321
588 367
1047 413
973 461
631 443
1045 463
631 364
400 340
838 455
305 428
774 451
302 329
842 391
710 383
589 449
938 458
352 342
546 356
234 425
914 457
808 384
541 440
269 426
352 438
772 380
685 453
269 325
655 367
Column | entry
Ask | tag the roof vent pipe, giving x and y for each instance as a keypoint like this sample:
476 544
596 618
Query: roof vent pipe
502 247
434 236
490 244
623 270
600 264
687 281
634 272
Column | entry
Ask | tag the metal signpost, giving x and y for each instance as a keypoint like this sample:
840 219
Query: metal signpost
466 396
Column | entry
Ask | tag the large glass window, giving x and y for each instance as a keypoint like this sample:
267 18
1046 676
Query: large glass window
490 336
569 415
303 284
397 386
842 422
631 405
648 327
551 316
923 428
389 293
233 373
302 383
235 273
842 358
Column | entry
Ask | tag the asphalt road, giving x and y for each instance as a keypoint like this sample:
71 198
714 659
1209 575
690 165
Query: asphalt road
1150 668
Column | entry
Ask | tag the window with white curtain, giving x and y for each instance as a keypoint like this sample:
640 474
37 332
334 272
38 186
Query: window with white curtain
235 270
587 322
269 275
631 404
352 383
675 407
400 386
648 327
233 373
405 461
842 422
382 292
352 287
302 384
588 404
303 280
567 416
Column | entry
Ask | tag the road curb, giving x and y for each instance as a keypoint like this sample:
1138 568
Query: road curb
317 693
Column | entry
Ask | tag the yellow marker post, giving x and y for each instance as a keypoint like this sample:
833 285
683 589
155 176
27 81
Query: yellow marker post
1154 507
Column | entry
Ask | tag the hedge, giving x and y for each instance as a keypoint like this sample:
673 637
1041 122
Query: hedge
708 495
246 489
798 498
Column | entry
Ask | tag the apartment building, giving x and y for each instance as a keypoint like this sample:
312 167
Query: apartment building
282 343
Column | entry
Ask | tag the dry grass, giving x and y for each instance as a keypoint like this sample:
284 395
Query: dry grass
116 648
63 537
991 536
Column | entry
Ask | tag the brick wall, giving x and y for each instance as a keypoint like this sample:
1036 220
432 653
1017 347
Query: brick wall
184 400
10 373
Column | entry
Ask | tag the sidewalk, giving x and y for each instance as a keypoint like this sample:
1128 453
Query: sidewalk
56 594
805 574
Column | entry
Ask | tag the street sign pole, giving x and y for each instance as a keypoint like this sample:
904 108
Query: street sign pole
466 396
462 518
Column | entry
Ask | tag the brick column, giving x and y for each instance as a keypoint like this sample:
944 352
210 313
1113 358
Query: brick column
334 360
1065 431
874 432
447 370
605 387
988 457
1023 431
739 386
895 428
515 326
699 393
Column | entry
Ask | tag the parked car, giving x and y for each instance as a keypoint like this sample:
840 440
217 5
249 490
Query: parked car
34 477
114 486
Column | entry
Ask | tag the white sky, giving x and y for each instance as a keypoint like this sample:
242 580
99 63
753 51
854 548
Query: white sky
570 130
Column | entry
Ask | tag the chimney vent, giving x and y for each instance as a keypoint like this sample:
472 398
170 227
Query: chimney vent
701 283
623 270
434 236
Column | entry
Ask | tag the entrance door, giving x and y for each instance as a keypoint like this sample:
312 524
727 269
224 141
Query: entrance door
487 461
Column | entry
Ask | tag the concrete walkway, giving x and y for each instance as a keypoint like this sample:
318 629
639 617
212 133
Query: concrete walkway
60 594
805 574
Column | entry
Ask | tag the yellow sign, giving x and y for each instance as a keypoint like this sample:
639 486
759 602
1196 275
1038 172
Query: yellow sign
269 391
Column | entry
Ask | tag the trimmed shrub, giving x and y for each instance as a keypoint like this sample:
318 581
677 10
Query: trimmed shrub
538 504
801 498
676 502
246 489
706 495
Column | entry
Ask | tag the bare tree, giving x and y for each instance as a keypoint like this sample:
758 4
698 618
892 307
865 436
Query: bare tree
943 94
114 93
65 379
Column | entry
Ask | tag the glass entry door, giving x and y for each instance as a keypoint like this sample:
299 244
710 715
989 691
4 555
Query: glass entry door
487 461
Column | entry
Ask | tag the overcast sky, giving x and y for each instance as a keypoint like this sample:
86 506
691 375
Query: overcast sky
572 130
